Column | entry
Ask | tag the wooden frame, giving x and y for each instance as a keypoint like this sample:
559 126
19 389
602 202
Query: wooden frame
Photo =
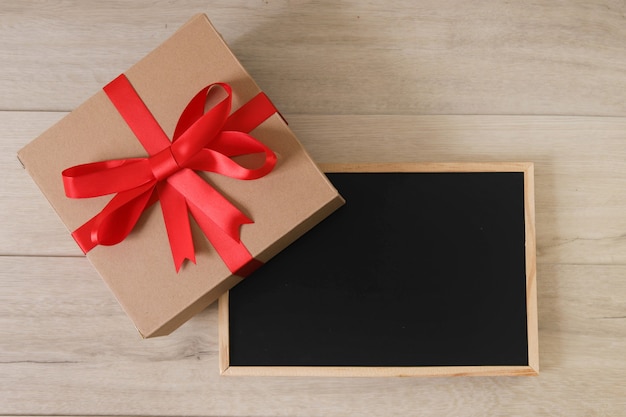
531 291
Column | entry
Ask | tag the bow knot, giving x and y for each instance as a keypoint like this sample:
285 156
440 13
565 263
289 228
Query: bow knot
199 143
163 164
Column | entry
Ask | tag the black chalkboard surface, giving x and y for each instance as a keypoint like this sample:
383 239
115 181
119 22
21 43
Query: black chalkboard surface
427 270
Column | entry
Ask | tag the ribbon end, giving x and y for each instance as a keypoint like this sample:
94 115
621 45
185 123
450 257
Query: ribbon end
85 244
179 262
234 230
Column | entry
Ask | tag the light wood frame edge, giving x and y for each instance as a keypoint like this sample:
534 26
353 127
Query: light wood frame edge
531 369
223 333
368 371
532 320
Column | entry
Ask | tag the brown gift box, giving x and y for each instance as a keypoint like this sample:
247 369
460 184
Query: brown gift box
140 271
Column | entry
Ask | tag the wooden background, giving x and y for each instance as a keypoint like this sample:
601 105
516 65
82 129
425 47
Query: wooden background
359 81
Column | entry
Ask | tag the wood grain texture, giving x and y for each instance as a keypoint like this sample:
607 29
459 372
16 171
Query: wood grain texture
67 347
359 81
21 202
349 57
580 166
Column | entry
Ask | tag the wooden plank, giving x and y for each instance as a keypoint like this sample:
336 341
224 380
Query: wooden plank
29 224
346 72
319 57
66 346
580 163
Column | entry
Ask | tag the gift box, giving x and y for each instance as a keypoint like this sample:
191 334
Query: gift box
178 179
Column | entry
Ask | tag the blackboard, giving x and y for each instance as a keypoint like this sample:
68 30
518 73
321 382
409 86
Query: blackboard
427 270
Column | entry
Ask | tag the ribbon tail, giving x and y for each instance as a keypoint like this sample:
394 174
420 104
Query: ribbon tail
233 252
174 208
207 199
218 218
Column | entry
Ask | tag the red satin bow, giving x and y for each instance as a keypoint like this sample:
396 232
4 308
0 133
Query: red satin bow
202 141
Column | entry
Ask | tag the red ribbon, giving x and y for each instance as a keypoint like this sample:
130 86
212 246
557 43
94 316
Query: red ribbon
204 141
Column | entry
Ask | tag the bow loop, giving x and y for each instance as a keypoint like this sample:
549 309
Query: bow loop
199 143
107 177
218 158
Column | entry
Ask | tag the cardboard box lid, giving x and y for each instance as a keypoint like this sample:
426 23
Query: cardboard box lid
140 271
